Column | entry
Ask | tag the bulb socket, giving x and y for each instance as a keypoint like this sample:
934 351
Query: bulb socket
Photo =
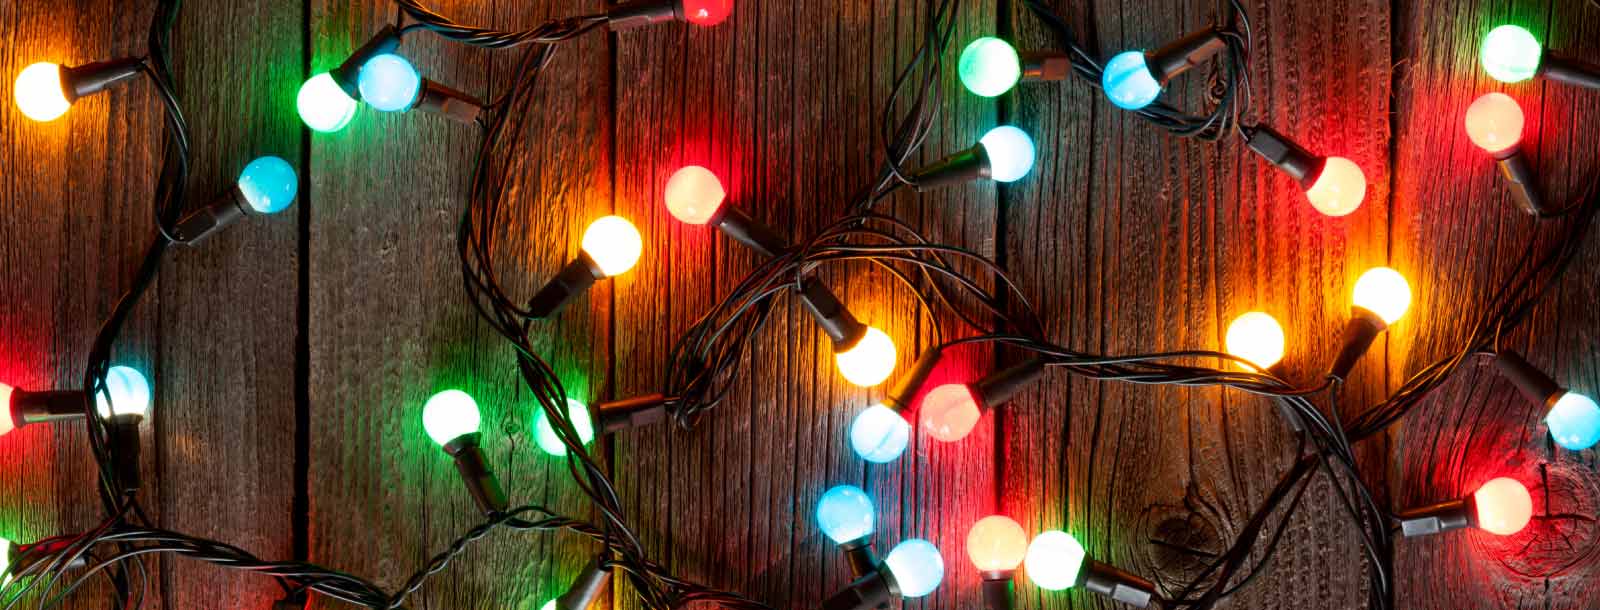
1184 54
1003 385
474 470
125 446
873 590
859 553
628 413
207 221
1432 519
837 322
1115 583
348 74
48 406
89 79
1530 381
999 590
452 104
965 166
1359 333
1044 66
574 279
1286 155
1569 71
645 12
901 397
1519 174
742 228
587 587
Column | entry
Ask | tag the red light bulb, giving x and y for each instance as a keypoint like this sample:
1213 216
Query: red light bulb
706 12
694 195
949 412
1504 506
1494 122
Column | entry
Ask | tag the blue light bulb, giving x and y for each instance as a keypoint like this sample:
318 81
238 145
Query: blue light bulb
879 434
268 184
1128 81
845 513
916 567
1010 153
1574 421
389 83
128 391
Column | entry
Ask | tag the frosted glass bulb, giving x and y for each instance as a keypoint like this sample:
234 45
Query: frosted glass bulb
1339 189
916 567
1504 506
1256 337
323 105
879 434
1511 54
39 93
694 195
1010 152
614 244
1383 291
7 424
389 83
1128 82
869 361
545 435
949 412
1053 560
269 184
450 415
996 543
1494 122
706 12
129 393
989 67
549 605
845 514
1574 421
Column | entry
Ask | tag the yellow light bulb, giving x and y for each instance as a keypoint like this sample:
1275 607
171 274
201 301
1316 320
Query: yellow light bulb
1256 337
1383 291
869 361
39 94
614 244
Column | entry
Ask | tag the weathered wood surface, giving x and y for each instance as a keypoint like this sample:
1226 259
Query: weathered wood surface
292 356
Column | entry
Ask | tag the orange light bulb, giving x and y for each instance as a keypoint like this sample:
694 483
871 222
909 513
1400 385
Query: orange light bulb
949 412
694 195
996 544
1494 122
1339 189
869 361
1504 506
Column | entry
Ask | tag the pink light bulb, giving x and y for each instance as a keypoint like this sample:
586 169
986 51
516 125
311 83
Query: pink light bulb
1504 506
949 412
694 195
1494 122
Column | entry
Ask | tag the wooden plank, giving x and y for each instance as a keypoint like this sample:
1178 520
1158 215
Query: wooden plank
1456 224
78 197
386 195
1132 241
780 101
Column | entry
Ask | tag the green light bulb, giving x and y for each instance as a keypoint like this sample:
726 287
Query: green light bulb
449 415
1511 54
323 104
545 435
989 67
549 605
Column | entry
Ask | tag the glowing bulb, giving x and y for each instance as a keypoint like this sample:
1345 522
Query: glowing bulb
549 605
879 434
845 513
949 412
694 194
269 184
545 436
1256 337
1340 188
389 83
1383 291
1504 506
1053 560
989 67
1494 122
39 93
614 244
1010 153
869 361
916 567
1128 82
1574 421
706 12
324 106
1511 54
7 422
450 415
996 543
129 393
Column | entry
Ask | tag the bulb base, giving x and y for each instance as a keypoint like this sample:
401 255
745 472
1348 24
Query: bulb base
1519 175
628 413
589 585
1184 54
1286 155
92 78
1441 517
452 104
734 223
1003 385
125 446
837 322
874 590
1569 71
474 470
1530 381
1044 66
638 14
1115 583
859 553
999 590
1359 334
348 74
965 166
901 397
207 221
573 280
44 407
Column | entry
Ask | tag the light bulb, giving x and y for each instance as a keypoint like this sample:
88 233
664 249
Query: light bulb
1010 153
545 435
1574 421
389 83
1053 560
549 605
989 67
8 420
1256 337
845 514
879 434
614 244
269 184
996 543
1339 189
1383 291
450 415
1511 54
869 361
1128 82
39 93
949 412
916 567
706 12
1504 506
1494 122
129 393
323 105
694 195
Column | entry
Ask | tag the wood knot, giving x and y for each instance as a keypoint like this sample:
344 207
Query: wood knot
1563 534
1179 544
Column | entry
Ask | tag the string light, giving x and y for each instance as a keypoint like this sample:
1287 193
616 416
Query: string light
846 517
389 83
545 435
1572 418
1381 297
266 186
865 355
1501 506
586 588
1335 186
610 247
1133 80
1494 122
704 13
997 544
1256 337
1057 561
1511 54
451 419
989 67
323 105
695 196
1004 154
44 91
949 412
912 569
879 434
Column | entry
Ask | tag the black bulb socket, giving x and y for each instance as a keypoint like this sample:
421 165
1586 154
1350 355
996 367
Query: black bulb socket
481 483
125 445
89 79
348 74
1286 155
450 103
629 413
573 280
1531 382
207 221
901 397
1183 54
965 166
1519 174
735 223
1044 66
999 589
1569 71
1003 385
1441 517
589 585
874 590
836 321
863 560
1115 583
1359 333
645 12
44 407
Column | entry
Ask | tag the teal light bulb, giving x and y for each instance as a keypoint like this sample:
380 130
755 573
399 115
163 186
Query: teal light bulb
450 415
323 104
845 514
269 184
989 67
1010 151
127 393
1574 421
1128 82
545 435
389 83
1511 54
916 567
879 434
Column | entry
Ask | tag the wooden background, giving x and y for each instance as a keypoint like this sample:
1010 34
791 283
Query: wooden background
292 354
